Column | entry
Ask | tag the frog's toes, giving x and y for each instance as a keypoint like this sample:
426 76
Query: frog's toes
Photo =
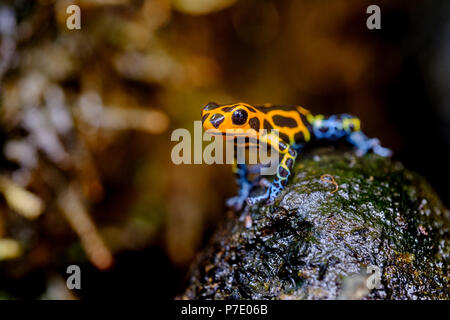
362 150
381 151
375 146
236 203
359 153
256 199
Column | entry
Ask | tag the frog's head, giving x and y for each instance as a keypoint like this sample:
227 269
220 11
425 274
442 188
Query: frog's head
228 118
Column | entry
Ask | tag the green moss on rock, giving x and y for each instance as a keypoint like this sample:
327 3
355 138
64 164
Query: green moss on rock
316 244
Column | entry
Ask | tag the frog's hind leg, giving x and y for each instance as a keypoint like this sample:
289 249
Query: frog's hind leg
346 126
244 186
364 144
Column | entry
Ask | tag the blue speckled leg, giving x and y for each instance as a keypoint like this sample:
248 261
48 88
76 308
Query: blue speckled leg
262 197
244 186
283 174
347 126
364 144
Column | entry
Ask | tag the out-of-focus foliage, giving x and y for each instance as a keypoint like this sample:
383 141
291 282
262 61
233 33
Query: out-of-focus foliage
86 115
85 122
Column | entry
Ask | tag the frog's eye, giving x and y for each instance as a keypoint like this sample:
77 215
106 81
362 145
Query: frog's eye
239 116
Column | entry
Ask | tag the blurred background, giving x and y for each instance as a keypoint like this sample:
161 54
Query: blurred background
86 117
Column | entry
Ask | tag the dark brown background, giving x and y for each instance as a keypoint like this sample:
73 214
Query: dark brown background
164 56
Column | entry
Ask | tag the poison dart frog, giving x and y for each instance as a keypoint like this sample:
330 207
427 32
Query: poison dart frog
296 127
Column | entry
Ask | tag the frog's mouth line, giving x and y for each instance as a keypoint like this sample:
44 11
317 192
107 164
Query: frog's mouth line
233 136
228 134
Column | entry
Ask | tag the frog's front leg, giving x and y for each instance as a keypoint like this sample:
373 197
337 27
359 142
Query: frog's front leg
283 172
244 186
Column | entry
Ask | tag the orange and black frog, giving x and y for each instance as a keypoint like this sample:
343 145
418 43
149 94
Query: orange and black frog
286 129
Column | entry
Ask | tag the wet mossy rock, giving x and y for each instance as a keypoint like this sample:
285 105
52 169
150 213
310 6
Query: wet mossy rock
317 243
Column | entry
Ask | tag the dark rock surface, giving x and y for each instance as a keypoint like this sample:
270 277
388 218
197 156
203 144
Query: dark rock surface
317 244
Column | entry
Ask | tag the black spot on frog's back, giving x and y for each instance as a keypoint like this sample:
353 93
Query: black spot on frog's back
282 121
211 106
227 109
268 108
